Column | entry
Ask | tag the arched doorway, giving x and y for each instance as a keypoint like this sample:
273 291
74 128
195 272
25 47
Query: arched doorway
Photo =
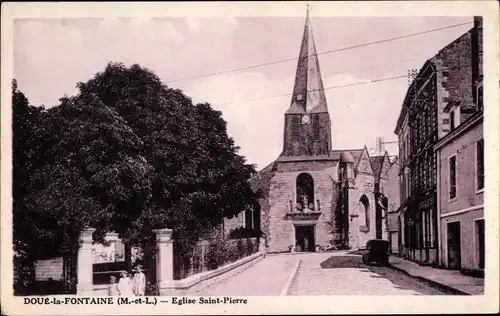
366 205
304 192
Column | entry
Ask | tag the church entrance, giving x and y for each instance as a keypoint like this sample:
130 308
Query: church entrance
304 238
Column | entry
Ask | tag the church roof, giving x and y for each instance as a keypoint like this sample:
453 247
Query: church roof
308 93
331 157
345 156
355 153
262 179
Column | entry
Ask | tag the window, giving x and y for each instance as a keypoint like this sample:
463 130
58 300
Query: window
248 218
453 177
305 192
316 127
452 120
295 128
366 204
480 164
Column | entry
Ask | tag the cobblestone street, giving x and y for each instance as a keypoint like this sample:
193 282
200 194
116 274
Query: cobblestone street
339 273
333 273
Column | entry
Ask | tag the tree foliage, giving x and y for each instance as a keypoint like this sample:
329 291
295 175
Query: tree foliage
126 154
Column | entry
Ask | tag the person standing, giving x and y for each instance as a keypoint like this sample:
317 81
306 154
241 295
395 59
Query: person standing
139 281
125 285
113 287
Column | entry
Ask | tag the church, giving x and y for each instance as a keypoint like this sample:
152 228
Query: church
315 197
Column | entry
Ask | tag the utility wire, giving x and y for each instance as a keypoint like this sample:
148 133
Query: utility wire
322 53
329 73
335 87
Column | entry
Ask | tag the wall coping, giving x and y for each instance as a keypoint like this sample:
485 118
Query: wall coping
189 282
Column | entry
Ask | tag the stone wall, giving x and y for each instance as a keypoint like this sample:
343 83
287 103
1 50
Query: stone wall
457 69
306 143
364 184
455 81
280 230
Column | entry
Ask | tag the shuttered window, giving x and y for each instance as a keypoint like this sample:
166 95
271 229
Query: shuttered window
316 128
295 128
480 164
453 177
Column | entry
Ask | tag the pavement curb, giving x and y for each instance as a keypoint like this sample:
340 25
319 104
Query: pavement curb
289 281
431 282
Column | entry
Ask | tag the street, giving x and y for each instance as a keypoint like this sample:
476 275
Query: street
332 273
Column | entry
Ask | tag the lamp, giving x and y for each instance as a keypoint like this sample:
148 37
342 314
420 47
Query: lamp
350 173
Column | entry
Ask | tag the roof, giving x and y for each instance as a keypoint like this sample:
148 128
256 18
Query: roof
410 93
355 153
308 158
345 156
308 92
263 177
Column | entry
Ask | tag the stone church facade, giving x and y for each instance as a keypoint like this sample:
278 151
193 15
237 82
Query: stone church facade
313 196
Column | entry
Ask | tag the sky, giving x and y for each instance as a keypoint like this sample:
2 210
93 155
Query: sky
52 55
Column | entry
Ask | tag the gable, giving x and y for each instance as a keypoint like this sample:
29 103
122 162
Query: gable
386 165
364 164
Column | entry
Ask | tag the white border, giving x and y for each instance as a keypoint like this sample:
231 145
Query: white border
271 305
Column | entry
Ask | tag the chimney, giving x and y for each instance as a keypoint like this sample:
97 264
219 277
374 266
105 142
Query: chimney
478 29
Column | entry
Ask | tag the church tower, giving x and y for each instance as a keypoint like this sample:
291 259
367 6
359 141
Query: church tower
314 197
307 122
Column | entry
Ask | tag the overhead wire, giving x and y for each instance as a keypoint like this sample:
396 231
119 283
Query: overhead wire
336 87
321 53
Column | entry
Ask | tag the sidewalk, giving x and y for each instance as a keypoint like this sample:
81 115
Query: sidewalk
450 279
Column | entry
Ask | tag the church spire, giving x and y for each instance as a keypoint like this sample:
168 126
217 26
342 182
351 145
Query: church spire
308 94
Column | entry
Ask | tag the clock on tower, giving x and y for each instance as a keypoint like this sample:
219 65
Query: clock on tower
306 119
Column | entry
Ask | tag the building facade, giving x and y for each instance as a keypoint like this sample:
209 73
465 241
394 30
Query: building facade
443 94
313 196
393 218
417 131
461 172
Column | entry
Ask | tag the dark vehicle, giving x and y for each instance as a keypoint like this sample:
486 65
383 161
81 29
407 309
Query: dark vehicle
377 250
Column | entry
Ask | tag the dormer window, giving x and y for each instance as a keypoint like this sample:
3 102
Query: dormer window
299 97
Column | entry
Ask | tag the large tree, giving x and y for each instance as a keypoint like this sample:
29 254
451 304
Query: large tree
26 152
198 176
127 154
88 173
